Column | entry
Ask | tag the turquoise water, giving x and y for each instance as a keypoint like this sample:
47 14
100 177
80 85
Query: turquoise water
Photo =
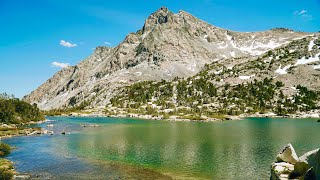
146 149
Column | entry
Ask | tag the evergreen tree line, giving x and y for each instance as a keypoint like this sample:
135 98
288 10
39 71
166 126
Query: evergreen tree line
15 111
256 96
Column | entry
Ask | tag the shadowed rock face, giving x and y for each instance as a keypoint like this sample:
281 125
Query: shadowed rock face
168 45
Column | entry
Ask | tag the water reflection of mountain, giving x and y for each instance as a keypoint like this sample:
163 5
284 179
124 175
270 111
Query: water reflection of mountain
226 149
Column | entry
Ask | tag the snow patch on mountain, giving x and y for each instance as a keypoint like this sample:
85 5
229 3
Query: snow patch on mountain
233 54
316 67
304 60
283 70
246 77
311 45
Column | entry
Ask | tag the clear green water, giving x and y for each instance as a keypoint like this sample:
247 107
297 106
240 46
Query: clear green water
128 148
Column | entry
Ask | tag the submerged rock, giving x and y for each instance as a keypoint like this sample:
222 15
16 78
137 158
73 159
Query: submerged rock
22 176
288 154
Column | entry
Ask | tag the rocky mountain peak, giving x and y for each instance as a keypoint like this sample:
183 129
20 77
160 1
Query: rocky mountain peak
169 45
161 16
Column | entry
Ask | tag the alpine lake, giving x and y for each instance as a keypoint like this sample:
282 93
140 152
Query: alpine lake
123 148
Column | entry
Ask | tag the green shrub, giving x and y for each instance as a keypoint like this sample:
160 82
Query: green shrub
5 149
6 174
15 111
6 169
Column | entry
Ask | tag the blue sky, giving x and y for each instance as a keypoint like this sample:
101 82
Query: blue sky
36 33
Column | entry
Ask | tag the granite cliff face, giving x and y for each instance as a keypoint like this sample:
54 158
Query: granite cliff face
168 45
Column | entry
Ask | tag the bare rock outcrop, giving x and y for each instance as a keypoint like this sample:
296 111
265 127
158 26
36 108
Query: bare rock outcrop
288 166
288 154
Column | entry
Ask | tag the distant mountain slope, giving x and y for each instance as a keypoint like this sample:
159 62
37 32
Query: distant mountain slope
168 45
283 81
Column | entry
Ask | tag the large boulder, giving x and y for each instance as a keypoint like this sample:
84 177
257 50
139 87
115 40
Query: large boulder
309 155
300 168
306 161
289 166
288 154
312 158
281 170
316 164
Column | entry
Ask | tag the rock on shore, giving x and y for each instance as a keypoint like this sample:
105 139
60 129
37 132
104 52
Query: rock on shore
289 166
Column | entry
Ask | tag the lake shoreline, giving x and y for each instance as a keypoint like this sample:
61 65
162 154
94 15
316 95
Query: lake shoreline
14 131
149 117
300 115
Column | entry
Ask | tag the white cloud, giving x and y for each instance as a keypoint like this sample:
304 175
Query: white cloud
60 64
67 44
107 43
301 12
304 14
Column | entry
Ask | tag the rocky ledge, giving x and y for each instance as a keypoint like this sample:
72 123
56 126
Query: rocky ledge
289 166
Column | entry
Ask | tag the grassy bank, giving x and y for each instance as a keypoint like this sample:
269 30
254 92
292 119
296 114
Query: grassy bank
6 167
11 130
